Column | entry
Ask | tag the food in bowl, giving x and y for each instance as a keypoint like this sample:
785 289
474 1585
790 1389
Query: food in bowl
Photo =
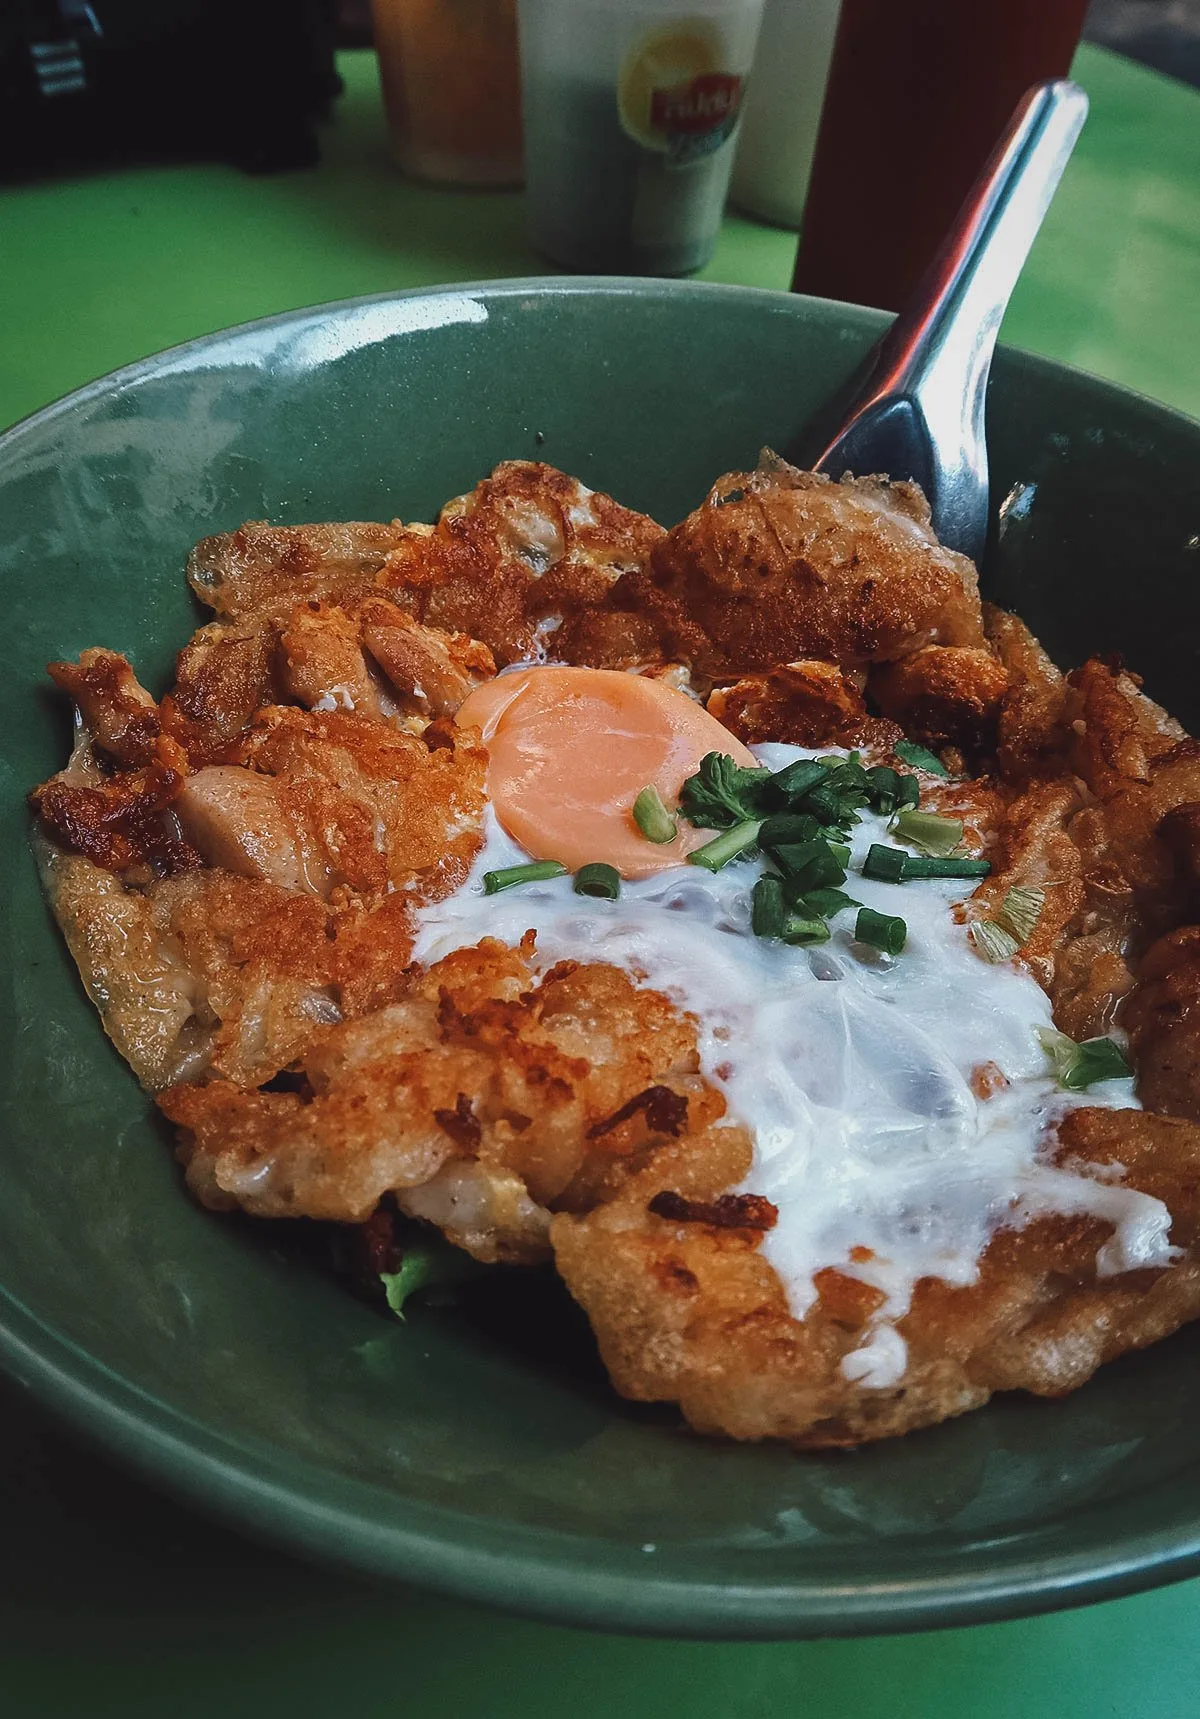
742 916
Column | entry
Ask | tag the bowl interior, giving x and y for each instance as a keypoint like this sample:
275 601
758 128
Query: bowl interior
212 1353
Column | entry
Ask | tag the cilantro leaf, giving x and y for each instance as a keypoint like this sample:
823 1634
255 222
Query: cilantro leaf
722 793
920 757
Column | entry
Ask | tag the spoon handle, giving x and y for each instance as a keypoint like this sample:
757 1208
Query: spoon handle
936 356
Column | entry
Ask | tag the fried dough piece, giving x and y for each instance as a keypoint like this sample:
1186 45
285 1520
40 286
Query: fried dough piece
805 704
944 695
1140 773
1030 848
322 665
115 707
1141 766
1031 736
223 675
119 822
509 562
375 805
688 1310
482 1098
780 565
302 915
1162 1018
262 572
431 668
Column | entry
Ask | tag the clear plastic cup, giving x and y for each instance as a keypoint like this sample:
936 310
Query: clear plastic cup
451 87
631 111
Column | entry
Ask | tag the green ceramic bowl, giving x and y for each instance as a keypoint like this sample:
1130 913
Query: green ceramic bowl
233 1371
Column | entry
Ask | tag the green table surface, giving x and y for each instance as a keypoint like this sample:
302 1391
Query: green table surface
114 1600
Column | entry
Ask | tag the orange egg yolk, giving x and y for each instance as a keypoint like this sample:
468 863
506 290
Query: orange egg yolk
569 751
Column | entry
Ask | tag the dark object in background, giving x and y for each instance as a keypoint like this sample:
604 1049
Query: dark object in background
1164 34
918 96
87 82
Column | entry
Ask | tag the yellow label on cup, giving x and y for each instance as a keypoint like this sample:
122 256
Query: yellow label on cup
673 95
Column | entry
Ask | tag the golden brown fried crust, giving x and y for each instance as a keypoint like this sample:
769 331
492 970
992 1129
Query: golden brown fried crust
113 704
207 970
1162 1018
1031 737
690 1311
1030 848
236 868
222 677
119 823
262 572
804 704
944 695
481 1083
527 545
779 565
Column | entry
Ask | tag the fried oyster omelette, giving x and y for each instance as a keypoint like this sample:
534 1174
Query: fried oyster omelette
742 916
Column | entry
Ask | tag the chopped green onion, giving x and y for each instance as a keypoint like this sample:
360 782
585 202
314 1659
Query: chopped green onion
880 931
848 772
812 865
768 910
788 827
805 928
1098 1059
1078 1066
536 872
888 789
920 758
827 902
992 941
653 818
885 864
794 780
893 865
1020 911
830 805
929 832
713 855
952 866
598 879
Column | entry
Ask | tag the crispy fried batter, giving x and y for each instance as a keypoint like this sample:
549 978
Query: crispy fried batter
944 695
213 969
432 668
690 1311
1162 1018
120 714
223 675
779 565
475 1098
805 704
1030 734
235 869
262 572
120 823
509 562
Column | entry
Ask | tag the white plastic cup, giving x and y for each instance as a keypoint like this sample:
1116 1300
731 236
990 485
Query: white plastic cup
631 110
782 113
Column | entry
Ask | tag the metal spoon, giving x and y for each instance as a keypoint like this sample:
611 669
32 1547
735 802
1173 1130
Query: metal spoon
919 413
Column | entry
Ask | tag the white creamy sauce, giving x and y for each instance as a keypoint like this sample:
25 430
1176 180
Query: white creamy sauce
851 1069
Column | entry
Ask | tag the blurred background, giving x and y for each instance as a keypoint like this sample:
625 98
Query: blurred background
172 166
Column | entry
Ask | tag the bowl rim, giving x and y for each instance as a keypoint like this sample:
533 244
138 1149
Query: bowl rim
540 1572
